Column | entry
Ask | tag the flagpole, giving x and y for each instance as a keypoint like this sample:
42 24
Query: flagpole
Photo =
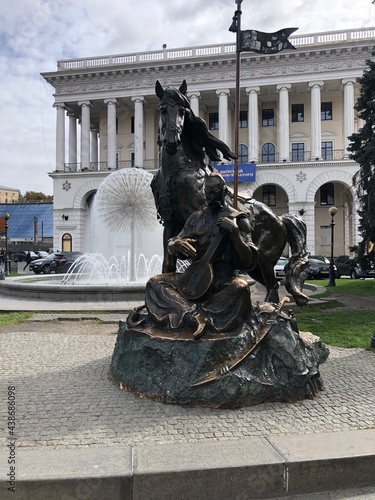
237 25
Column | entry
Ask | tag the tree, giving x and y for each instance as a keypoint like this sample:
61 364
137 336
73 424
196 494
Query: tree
34 197
362 149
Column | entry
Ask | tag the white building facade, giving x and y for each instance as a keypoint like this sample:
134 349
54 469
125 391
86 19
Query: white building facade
296 113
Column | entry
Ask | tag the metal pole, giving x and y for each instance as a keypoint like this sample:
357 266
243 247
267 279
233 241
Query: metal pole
237 100
6 266
332 211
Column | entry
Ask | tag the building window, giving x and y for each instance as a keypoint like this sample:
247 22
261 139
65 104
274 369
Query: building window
327 150
116 126
326 111
268 153
213 121
268 117
298 151
242 154
243 119
327 194
66 242
269 195
132 125
132 157
298 113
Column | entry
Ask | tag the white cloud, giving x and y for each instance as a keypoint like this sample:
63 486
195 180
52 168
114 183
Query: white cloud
34 34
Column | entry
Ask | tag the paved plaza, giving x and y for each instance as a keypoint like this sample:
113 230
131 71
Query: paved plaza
58 364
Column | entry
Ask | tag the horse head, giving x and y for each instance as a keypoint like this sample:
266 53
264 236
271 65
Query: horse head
173 105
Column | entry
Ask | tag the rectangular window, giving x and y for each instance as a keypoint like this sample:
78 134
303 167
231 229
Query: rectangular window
132 125
327 150
268 117
213 121
298 113
327 194
243 119
298 151
326 111
269 195
116 126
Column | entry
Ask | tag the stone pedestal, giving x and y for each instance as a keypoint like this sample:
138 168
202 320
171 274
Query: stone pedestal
177 369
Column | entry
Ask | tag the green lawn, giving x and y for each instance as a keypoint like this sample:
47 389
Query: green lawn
340 328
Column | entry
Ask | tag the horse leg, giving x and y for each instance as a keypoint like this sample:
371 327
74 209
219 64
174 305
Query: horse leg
271 283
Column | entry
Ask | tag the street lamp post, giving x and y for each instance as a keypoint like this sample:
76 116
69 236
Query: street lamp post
6 263
332 211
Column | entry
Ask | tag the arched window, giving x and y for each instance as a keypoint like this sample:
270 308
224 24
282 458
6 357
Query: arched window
242 154
66 242
268 153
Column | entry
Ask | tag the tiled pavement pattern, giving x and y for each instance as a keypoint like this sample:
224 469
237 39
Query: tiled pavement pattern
64 397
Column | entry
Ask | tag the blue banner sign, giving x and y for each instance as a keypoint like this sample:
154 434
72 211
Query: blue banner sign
246 172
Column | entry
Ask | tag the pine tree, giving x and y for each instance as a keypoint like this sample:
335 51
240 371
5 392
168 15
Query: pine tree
362 148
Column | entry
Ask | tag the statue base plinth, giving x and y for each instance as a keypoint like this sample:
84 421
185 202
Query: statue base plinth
176 368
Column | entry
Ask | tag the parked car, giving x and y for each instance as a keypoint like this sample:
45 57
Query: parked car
21 256
279 268
346 267
318 267
58 262
63 260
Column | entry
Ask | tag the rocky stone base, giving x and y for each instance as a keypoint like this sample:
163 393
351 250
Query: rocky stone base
210 372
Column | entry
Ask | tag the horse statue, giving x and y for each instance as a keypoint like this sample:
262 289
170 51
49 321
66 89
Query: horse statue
178 189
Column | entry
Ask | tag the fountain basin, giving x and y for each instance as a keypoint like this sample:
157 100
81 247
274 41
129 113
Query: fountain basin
49 288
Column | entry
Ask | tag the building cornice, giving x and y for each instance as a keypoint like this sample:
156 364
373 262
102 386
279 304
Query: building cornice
295 66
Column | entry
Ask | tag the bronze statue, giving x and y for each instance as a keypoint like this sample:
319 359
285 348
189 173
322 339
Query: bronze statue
199 339
178 189
210 294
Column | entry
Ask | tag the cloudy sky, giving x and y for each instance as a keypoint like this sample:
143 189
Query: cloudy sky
35 34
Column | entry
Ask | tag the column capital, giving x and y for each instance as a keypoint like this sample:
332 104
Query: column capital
319 83
345 81
223 92
252 90
59 105
84 103
138 98
110 100
71 114
193 93
282 86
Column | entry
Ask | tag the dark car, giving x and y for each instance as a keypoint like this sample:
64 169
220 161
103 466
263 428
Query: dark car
346 267
318 267
58 262
63 260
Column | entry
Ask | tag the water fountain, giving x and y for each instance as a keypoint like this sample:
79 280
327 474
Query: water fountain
123 247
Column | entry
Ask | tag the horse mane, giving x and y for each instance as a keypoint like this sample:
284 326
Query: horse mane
202 141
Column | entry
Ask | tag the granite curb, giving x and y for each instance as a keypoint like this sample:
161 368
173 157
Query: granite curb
254 468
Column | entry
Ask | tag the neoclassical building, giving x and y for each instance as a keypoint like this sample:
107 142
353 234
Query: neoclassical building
296 114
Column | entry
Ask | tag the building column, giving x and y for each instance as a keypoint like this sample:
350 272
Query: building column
194 101
94 149
72 155
223 114
348 84
316 122
111 133
138 130
60 136
283 121
85 134
253 124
